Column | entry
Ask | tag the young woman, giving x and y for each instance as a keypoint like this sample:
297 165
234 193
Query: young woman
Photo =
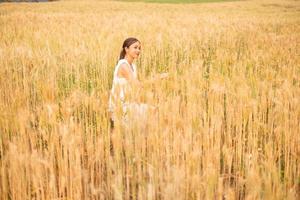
125 82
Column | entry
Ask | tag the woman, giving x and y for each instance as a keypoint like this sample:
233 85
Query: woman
125 81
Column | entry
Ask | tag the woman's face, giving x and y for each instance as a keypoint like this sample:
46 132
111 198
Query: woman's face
134 50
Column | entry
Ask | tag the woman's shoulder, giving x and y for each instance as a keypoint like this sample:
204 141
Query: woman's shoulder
121 61
119 64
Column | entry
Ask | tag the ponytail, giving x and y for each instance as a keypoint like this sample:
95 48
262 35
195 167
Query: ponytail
122 54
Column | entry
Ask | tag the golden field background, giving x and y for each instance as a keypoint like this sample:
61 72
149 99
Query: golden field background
229 114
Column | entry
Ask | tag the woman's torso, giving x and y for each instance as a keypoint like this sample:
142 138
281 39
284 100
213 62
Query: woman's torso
120 86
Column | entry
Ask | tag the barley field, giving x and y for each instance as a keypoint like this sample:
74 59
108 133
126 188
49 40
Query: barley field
228 119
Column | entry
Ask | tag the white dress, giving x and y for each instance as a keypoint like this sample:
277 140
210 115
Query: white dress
120 87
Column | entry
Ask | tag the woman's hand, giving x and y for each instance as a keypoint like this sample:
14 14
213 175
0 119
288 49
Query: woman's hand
157 77
164 75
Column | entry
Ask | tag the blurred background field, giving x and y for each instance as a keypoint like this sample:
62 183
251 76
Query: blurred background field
229 115
176 1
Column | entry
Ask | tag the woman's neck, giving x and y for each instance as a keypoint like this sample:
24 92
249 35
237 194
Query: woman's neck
129 59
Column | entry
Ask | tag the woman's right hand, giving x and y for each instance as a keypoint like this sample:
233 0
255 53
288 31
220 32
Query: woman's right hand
164 75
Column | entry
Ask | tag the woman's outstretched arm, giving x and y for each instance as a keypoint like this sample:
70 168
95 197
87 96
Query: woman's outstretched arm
125 72
156 77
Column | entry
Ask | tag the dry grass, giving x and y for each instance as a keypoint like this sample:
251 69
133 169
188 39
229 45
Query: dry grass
229 115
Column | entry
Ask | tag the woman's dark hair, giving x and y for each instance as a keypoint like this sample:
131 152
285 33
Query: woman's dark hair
127 43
